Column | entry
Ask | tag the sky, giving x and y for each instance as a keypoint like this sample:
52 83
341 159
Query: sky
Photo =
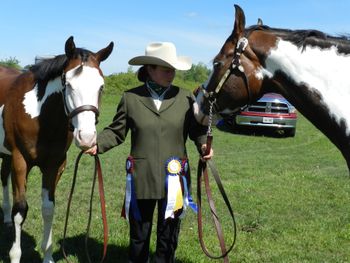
198 28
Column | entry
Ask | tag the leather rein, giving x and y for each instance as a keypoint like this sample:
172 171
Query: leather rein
202 174
202 171
97 173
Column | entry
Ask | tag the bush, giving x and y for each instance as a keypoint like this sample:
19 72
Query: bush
11 62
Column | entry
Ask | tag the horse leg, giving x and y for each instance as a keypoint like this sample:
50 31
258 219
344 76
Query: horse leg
47 211
50 179
20 206
5 179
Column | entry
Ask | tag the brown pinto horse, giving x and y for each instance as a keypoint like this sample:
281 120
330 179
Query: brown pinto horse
42 110
308 67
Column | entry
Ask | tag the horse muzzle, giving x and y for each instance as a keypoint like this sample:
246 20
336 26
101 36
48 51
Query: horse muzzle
85 139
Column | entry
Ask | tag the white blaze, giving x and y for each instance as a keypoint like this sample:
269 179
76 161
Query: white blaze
84 89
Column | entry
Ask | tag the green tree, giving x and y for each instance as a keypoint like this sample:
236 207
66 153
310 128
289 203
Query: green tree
198 73
190 79
117 83
11 62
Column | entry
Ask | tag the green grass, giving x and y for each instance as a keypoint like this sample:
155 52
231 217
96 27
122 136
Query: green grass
290 197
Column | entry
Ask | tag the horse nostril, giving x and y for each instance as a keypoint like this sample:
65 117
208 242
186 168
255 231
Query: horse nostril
86 138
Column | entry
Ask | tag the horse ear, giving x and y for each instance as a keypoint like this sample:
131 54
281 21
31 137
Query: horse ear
260 22
239 23
69 47
104 53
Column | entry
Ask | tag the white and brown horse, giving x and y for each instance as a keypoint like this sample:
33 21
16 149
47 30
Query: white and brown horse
42 111
308 67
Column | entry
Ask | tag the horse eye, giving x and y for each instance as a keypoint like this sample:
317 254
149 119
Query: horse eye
217 64
68 85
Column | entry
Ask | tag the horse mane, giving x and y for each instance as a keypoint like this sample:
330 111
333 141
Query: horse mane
307 37
51 68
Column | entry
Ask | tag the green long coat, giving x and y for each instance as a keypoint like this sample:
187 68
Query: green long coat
156 135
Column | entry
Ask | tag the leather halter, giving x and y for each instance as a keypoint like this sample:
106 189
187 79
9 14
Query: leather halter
235 64
76 111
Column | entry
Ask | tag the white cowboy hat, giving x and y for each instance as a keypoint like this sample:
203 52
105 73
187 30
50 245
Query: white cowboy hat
162 54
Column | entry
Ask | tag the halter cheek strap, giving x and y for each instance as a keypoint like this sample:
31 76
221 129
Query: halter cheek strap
241 46
79 109
236 63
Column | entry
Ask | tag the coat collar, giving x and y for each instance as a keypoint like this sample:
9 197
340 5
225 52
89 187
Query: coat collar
168 100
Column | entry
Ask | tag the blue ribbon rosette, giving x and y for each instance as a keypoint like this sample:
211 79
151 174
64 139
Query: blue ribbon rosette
130 203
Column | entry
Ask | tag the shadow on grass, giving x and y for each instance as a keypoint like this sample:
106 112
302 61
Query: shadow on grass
230 127
74 246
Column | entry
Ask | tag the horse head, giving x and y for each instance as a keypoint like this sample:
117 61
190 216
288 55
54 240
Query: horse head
82 82
236 78
308 67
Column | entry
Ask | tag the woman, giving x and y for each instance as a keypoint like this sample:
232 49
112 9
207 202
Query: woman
160 118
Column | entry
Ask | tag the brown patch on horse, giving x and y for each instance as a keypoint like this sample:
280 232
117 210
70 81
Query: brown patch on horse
7 78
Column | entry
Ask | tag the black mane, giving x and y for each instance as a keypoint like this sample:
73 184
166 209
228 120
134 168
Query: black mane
307 37
51 68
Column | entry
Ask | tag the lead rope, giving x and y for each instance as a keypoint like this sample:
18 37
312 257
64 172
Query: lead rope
97 173
203 172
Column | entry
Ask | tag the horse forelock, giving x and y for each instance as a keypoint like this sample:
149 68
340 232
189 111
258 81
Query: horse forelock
49 69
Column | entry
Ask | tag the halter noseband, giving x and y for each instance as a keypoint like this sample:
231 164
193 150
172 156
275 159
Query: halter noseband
235 64
76 111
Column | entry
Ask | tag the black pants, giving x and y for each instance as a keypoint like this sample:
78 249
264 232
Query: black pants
140 234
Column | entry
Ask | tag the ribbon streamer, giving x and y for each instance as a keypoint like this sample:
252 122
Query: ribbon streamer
130 201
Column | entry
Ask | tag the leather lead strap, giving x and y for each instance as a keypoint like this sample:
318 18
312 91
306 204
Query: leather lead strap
202 174
98 173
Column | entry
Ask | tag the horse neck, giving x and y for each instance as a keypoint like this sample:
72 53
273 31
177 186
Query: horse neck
314 81
322 72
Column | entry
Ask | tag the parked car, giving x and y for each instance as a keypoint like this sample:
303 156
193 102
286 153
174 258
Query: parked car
272 111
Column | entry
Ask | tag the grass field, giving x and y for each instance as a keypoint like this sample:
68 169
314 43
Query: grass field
291 198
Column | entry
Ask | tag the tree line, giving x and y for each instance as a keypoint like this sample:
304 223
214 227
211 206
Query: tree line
116 83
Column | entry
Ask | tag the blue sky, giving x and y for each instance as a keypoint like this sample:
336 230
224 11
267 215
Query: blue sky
197 27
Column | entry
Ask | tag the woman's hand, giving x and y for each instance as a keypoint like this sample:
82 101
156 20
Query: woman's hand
92 150
207 156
